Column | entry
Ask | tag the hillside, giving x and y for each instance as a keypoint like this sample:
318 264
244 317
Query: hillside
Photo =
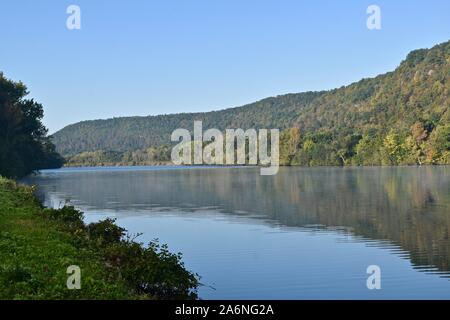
131 133
401 117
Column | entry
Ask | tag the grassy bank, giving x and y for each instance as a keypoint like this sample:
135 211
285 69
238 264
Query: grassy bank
37 245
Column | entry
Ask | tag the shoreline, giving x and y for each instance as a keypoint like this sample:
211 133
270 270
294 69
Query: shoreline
38 245
113 165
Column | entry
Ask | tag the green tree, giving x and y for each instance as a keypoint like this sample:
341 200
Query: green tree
24 144
368 151
289 145
394 148
440 145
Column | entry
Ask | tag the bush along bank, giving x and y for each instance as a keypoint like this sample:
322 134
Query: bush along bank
38 245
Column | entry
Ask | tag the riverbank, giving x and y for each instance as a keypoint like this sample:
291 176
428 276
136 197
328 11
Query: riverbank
37 245
259 237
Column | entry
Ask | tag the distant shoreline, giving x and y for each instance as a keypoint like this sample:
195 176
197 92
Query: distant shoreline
169 164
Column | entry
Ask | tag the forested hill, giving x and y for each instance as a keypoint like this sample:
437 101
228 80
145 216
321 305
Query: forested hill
131 133
399 115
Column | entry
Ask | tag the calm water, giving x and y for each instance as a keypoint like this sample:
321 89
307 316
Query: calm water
302 234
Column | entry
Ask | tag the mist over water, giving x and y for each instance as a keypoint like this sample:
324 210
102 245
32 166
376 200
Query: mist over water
305 233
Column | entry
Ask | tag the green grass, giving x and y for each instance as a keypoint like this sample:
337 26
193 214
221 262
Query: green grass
36 249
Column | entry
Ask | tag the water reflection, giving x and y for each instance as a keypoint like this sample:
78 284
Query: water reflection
406 210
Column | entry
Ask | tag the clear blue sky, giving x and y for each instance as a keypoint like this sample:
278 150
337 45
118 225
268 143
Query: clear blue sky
151 57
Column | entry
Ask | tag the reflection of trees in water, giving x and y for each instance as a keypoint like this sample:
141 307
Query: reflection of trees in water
407 206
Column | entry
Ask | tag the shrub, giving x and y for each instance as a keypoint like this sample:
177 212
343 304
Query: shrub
153 270
105 231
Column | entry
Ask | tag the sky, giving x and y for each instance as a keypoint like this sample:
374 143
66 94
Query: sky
148 57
